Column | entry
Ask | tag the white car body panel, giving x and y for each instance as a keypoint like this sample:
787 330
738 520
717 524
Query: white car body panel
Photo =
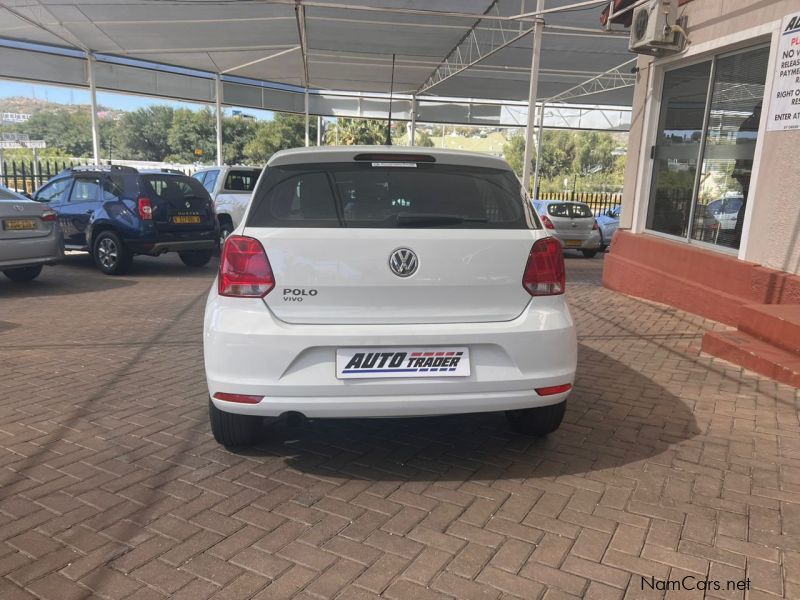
228 202
467 292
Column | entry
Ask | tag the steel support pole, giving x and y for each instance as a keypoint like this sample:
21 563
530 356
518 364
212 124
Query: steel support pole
308 143
319 130
413 132
93 101
218 101
538 28
539 139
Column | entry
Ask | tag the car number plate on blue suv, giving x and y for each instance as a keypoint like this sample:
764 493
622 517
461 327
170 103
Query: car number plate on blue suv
362 363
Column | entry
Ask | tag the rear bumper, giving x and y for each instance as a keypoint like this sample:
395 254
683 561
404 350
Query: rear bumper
248 351
375 406
183 243
587 241
28 252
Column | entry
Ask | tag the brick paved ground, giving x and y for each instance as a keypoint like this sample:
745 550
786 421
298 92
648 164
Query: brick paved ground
669 464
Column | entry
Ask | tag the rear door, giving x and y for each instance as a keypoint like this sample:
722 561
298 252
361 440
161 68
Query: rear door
378 242
180 203
79 208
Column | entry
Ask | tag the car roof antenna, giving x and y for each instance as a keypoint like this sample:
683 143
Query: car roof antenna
389 124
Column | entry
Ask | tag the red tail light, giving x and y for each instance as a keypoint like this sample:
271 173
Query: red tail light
548 224
240 398
545 274
554 389
244 269
48 215
145 209
595 226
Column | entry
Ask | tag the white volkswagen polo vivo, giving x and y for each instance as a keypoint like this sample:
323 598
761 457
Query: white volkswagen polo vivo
387 282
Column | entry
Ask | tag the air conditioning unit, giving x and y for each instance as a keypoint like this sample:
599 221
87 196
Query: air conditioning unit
653 28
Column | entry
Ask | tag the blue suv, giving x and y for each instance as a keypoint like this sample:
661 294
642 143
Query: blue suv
116 212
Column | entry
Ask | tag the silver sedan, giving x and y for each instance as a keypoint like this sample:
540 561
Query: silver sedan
571 223
30 236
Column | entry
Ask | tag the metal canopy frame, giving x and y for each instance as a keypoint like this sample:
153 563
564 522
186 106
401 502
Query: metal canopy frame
346 45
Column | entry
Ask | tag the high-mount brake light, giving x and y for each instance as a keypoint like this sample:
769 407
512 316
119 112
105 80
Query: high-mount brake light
545 274
394 157
244 269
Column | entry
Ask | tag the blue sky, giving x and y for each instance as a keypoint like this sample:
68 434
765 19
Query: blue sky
67 95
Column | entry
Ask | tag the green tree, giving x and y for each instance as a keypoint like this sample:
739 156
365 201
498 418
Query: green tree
286 130
355 132
237 132
191 131
422 139
70 130
144 134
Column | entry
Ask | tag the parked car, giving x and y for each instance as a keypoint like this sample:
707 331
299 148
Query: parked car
608 221
117 212
572 224
382 282
29 236
231 189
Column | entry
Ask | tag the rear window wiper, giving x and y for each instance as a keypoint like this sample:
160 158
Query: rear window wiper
423 220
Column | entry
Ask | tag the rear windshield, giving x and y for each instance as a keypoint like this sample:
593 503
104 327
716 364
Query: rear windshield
241 181
380 196
569 209
172 187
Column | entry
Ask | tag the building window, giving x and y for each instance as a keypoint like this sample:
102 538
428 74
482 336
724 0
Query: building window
703 156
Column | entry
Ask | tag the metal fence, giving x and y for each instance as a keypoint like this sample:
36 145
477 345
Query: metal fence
599 202
28 176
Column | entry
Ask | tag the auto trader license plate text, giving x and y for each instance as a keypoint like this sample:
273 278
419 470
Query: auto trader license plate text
355 363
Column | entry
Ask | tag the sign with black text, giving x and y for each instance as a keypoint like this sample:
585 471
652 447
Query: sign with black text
784 105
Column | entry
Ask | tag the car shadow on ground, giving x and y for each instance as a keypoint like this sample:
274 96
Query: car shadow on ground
168 265
55 281
615 417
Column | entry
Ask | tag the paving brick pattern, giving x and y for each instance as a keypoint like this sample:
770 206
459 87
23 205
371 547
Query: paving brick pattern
669 465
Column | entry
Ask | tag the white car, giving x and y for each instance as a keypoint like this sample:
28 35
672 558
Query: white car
231 189
572 223
384 282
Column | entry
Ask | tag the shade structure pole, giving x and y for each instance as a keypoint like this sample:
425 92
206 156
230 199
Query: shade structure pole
539 150
413 120
218 98
319 130
538 28
306 110
93 100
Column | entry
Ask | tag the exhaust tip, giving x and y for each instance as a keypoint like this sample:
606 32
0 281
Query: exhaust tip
294 419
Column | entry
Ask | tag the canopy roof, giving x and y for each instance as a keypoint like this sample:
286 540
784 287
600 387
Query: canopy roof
344 46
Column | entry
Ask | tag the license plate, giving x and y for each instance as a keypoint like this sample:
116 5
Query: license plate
573 243
19 224
186 219
363 363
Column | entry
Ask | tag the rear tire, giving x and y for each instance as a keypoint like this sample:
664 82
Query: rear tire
110 254
196 258
589 253
233 430
23 274
537 421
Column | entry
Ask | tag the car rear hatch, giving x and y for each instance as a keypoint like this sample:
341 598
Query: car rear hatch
571 219
386 241
21 219
179 203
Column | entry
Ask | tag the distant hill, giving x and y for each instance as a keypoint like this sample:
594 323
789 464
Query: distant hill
20 104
